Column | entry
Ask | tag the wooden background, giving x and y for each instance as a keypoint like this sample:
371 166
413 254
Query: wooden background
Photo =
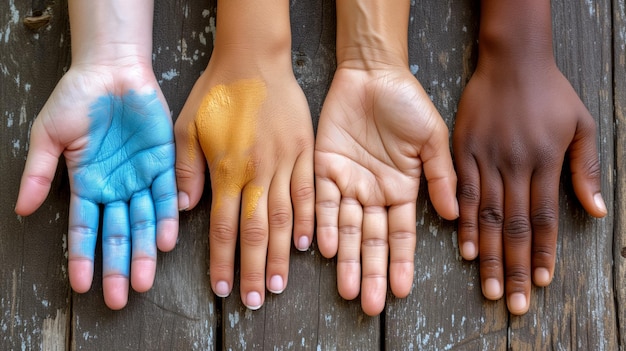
583 309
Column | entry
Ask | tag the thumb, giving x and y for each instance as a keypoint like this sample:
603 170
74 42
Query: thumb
190 163
41 164
440 174
585 168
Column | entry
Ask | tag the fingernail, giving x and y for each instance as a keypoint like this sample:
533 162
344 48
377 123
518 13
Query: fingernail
222 289
183 201
541 277
600 205
253 300
517 303
303 243
469 250
492 289
276 285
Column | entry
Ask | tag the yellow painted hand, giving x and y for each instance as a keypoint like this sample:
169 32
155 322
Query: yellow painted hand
256 137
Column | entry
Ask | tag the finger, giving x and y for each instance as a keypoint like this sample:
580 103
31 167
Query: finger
81 241
402 240
374 255
327 198
517 237
166 208
585 168
280 225
490 221
115 254
303 197
544 216
190 162
41 164
253 243
143 229
469 203
440 174
223 230
349 251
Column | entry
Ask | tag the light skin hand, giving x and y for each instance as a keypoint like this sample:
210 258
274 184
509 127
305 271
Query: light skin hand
518 119
253 130
378 131
112 125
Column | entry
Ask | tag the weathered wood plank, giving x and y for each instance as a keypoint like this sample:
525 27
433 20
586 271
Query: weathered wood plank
34 292
619 94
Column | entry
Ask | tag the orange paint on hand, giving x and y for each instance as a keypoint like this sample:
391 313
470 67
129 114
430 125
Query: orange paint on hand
226 129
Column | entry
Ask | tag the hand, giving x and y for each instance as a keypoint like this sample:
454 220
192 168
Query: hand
513 130
113 127
253 130
377 130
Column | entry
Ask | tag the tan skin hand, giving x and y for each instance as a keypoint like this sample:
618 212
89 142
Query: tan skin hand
378 130
253 130
512 133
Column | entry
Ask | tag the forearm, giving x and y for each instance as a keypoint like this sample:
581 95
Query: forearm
518 32
371 33
251 32
111 31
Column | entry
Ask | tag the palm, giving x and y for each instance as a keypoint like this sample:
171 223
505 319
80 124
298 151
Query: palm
369 140
377 131
130 144
117 139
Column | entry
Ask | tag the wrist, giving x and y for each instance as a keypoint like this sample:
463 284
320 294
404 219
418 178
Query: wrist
516 34
258 31
113 32
372 34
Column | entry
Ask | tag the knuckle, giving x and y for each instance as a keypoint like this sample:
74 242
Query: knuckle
278 260
304 191
545 218
469 193
517 227
490 264
349 230
374 243
253 277
280 217
254 234
491 216
517 275
401 236
223 232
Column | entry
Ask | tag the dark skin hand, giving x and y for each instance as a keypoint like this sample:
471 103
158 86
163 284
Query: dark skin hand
518 119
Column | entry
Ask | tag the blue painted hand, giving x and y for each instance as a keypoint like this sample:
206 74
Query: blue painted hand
120 154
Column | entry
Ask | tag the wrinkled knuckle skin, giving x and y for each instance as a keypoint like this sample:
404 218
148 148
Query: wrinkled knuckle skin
184 173
545 219
253 278
517 228
492 217
517 276
592 169
280 218
223 233
469 194
490 265
303 192
254 234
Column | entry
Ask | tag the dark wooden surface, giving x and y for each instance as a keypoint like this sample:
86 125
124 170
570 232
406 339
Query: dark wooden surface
583 309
